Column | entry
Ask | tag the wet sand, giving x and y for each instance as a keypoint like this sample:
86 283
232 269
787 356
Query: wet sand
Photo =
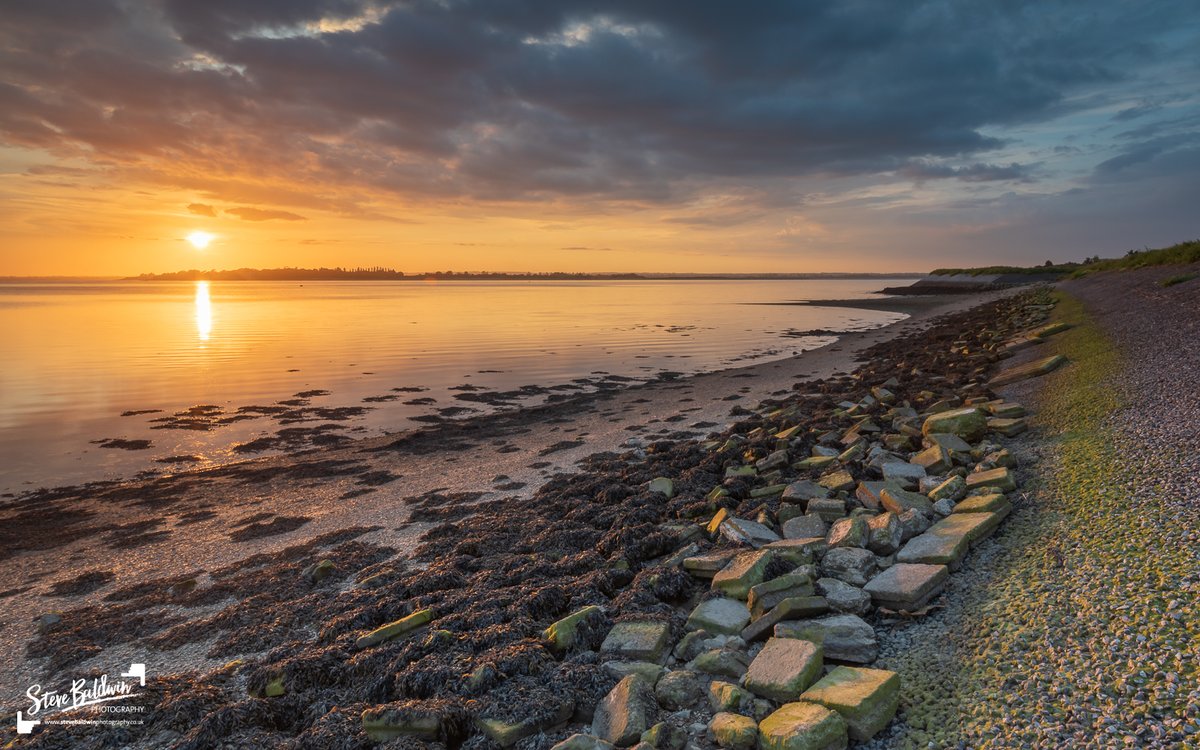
72 547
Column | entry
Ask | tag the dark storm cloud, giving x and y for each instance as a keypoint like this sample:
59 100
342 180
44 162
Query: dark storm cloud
979 172
631 100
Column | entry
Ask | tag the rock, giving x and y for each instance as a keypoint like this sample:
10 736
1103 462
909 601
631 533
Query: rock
805 527
844 598
767 594
816 462
943 507
802 726
733 732
508 733
970 424
628 710
318 572
783 669
384 723
664 736
771 490
984 504
848 532
853 453
561 635
690 645
885 533
849 564
724 696
775 460
641 640
719 615
678 690
745 570
797 551
1008 427
1050 329
899 501
1005 410
752 533
951 443
662 485
915 522
905 474
583 742
883 394
838 481
828 509
935 459
707 565
721 661
1031 370
866 698
936 547
46 622
401 627
952 489
803 491
648 671
907 586
792 608
843 637
868 493
1000 479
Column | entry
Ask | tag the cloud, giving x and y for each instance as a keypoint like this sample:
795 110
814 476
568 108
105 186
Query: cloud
247 213
978 172
588 249
201 209
358 107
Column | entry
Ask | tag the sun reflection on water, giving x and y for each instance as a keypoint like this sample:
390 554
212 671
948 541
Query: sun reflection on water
204 322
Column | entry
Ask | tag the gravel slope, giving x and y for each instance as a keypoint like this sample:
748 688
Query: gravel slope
1077 625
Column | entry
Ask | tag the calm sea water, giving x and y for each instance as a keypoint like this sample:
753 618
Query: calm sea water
79 355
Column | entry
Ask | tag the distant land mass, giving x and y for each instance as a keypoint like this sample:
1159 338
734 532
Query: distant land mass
390 274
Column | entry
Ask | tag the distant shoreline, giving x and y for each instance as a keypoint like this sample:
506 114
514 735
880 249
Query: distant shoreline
379 274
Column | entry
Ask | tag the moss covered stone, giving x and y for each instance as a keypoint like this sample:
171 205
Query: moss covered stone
639 640
401 627
744 571
561 635
802 726
784 668
733 732
970 424
866 698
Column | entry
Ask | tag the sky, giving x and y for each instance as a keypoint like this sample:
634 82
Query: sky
630 135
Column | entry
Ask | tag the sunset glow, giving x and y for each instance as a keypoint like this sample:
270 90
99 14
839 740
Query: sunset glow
461 136
200 240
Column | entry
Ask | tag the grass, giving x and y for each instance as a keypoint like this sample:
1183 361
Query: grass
1178 254
1068 640
1178 279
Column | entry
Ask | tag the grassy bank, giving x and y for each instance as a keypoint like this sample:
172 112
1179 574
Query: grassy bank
1178 254
1074 632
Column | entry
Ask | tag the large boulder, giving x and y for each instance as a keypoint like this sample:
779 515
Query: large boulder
720 615
678 690
802 726
733 732
628 710
970 423
845 638
783 669
907 586
853 565
844 598
866 698
744 571
639 640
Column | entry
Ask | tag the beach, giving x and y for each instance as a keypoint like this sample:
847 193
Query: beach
243 588
175 525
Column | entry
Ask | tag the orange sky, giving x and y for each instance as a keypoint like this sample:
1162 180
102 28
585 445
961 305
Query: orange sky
468 136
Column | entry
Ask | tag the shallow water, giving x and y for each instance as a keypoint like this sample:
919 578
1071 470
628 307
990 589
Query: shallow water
77 355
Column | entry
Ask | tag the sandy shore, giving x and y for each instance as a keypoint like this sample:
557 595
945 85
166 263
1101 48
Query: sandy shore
73 547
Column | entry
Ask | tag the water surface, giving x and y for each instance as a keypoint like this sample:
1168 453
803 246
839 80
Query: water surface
78 355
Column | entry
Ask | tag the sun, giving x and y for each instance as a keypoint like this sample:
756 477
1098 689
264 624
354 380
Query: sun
200 239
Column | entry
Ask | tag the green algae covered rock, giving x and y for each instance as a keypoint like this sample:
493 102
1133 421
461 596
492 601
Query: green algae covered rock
866 698
802 726
970 424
